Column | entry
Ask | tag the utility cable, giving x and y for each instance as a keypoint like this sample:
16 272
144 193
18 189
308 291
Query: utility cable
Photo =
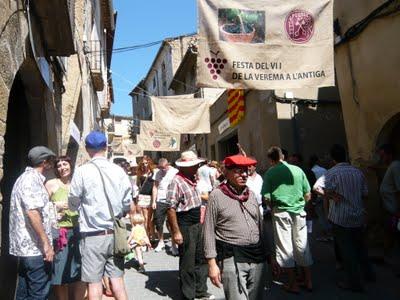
382 11
9 20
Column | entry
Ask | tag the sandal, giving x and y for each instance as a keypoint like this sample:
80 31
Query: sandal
292 290
305 286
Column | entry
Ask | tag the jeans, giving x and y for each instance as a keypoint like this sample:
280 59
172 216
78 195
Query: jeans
193 269
353 251
34 276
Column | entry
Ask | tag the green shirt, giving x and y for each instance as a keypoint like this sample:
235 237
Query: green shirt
70 218
285 185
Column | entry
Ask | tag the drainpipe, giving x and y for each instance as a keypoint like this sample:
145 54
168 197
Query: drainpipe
205 135
296 138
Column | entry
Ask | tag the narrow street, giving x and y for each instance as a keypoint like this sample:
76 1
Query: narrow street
161 280
161 110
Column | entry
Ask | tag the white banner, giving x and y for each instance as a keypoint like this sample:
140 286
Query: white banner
181 114
131 151
152 138
265 44
74 131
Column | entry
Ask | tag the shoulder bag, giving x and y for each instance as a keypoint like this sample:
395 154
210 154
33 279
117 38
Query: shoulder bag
121 247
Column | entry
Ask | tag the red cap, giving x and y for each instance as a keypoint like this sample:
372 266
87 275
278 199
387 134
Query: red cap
239 160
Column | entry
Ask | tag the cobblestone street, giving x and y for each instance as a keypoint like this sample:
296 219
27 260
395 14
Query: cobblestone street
161 280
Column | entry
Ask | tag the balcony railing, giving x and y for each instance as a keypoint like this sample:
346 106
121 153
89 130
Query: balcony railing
93 51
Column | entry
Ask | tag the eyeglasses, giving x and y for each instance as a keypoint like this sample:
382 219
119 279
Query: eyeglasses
239 171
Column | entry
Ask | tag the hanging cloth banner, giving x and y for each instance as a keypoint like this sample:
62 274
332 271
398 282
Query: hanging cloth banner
236 106
131 151
117 144
181 114
152 138
265 44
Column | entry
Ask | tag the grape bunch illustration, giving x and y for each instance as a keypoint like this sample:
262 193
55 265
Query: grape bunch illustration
215 66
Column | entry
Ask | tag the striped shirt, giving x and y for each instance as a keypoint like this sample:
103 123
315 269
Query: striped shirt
182 194
226 220
349 182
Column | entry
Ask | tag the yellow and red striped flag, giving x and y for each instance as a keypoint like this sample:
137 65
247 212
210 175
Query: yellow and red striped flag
236 107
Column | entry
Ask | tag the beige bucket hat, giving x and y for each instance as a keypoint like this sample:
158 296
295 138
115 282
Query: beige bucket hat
188 159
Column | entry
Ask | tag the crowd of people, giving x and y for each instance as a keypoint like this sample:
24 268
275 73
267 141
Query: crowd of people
226 222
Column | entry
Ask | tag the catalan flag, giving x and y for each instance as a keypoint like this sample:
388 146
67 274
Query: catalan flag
236 106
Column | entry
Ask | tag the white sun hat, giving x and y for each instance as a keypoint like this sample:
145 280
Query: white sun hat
189 159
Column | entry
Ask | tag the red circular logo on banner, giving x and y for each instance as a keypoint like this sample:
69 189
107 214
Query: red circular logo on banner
156 144
299 25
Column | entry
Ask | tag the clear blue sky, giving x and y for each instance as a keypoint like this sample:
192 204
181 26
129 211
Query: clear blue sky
141 22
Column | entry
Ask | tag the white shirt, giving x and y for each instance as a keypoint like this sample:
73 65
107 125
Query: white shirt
87 194
135 188
390 186
28 193
204 173
318 171
255 184
163 179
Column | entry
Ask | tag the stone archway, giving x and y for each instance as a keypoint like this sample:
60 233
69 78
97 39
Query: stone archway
390 133
26 126
16 143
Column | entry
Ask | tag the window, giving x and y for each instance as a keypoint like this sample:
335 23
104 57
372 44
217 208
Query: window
154 82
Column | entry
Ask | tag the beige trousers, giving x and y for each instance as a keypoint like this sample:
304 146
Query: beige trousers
291 239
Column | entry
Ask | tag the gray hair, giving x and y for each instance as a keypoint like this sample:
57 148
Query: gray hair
162 160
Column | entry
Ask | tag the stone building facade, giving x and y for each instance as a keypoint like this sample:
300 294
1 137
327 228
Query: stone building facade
159 77
53 77
367 65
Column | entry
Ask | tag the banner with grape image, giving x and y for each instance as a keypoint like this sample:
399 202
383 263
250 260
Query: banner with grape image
265 44
153 138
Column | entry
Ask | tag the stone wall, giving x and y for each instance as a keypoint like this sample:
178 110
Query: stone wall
367 73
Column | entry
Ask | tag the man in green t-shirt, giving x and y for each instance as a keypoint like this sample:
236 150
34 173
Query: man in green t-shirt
286 189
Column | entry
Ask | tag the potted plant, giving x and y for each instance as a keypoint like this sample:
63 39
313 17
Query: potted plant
238 25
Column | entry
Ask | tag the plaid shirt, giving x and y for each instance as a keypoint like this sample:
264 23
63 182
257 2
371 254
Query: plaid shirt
182 194
349 182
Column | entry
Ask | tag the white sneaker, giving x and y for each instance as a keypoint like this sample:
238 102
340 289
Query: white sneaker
174 251
160 247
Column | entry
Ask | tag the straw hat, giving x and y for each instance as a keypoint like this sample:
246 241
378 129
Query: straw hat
189 159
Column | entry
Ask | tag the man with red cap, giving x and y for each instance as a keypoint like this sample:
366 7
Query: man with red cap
184 209
232 235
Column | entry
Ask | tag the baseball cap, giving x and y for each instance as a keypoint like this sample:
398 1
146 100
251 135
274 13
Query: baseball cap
39 154
96 140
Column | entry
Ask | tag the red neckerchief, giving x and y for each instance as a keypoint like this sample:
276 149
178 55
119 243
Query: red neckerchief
190 182
231 192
